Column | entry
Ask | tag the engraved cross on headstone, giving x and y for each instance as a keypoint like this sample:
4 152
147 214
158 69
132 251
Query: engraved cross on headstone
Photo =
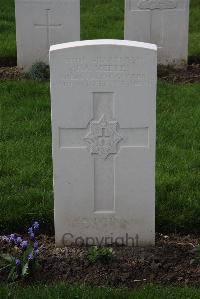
47 25
104 139
156 9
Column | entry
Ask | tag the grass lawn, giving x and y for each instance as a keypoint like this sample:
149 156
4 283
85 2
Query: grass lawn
26 171
99 19
178 158
81 292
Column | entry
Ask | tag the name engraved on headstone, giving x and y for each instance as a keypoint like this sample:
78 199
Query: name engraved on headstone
105 72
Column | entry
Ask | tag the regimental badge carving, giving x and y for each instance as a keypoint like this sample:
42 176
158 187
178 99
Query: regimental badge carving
157 4
103 137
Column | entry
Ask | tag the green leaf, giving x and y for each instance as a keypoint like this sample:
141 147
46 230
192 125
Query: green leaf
25 270
12 275
27 252
7 257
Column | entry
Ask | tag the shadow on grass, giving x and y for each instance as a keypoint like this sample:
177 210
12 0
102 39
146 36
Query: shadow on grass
8 61
194 59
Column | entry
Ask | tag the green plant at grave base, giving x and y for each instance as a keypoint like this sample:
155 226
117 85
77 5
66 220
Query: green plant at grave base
39 71
103 254
21 259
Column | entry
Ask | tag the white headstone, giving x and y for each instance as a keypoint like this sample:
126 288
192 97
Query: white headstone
42 23
161 22
104 129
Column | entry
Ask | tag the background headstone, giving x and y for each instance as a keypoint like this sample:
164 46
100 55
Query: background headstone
104 129
161 22
42 23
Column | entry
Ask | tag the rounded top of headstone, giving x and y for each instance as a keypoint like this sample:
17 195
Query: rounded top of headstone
104 42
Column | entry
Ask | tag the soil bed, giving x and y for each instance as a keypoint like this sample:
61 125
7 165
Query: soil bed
171 261
189 75
10 73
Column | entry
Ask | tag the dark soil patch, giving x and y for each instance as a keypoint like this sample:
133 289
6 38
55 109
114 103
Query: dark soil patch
10 73
171 261
189 75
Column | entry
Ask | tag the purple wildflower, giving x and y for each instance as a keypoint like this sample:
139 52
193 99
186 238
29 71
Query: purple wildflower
32 236
18 241
36 252
35 245
36 226
4 238
30 257
30 230
24 245
17 262
12 238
